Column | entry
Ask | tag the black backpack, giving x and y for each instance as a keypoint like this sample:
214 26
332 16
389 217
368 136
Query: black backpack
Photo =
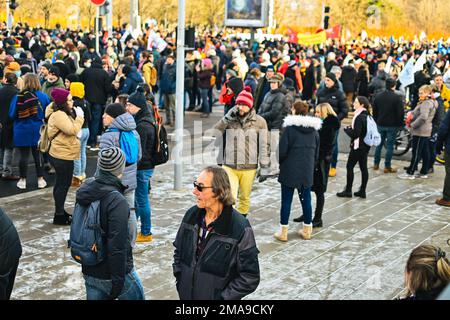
161 154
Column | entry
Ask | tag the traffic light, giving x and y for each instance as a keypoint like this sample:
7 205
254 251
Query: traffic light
326 18
13 4
104 9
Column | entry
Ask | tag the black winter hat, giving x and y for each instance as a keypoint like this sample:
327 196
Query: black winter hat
54 70
115 109
72 77
138 98
331 76
236 85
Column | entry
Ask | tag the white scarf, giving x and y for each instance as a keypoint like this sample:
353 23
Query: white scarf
356 114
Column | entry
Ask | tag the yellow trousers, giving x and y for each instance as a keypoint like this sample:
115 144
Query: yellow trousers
241 184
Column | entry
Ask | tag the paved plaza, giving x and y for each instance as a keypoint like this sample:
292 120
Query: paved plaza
360 253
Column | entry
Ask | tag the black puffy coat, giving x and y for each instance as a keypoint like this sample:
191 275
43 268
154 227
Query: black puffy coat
273 109
7 92
97 84
336 98
147 133
10 252
388 109
227 268
299 151
348 79
114 214
327 133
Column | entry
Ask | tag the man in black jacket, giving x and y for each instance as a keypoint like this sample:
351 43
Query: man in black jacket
7 92
10 252
388 113
97 85
273 108
114 277
137 106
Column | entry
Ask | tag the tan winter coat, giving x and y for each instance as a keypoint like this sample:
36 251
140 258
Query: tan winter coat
63 130
246 141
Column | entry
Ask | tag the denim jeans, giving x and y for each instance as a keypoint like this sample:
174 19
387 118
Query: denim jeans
420 150
99 289
80 165
287 194
6 156
142 201
95 123
334 158
205 100
388 136
132 224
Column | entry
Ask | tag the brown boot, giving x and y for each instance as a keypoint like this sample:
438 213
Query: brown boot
443 202
390 170
306 232
281 235
376 167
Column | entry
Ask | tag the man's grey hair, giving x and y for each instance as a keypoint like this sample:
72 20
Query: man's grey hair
221 185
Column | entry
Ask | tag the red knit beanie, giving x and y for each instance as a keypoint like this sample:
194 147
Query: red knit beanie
245 97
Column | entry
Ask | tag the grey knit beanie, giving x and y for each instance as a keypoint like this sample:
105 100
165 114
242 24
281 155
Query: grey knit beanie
111 160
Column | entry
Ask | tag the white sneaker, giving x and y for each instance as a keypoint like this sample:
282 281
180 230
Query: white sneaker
22 184
423 176
42 183
406 176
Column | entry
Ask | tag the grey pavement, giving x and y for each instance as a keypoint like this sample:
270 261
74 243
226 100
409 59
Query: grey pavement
359 254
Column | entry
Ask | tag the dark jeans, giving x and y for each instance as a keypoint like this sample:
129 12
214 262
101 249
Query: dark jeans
205 100
23 162
420 150
432 148
357 156
95 125
334 158
64 172
287 194
446 194
388 136
320 196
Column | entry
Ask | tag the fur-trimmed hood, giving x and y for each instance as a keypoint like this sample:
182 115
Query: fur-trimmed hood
303 121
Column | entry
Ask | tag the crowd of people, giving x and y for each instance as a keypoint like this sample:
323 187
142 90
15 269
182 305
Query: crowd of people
57 87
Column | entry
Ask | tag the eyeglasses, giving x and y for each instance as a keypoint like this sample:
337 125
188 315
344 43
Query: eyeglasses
200 187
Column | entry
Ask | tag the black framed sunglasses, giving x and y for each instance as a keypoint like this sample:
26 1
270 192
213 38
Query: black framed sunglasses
200 187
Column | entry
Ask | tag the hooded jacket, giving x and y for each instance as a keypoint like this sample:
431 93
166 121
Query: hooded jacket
111 138
246 140
147 134
299 151
227 268
168 79
273 109
132 80
114 213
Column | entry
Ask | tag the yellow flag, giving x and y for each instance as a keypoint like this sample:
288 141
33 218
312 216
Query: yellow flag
310 39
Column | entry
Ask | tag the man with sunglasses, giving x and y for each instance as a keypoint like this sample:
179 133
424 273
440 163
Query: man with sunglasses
215 256
245 139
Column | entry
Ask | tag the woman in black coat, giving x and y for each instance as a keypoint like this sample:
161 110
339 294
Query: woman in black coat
362 81
299 148
10 252
359 151
330 125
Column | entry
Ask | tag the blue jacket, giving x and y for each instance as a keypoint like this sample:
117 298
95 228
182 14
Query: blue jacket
26 132
443 137
168 79
132 80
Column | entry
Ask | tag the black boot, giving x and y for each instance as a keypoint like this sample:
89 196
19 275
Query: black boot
317 221
345 194
299 219
360 193
62 220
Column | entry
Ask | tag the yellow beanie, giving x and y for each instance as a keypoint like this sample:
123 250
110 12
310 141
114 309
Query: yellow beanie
77 90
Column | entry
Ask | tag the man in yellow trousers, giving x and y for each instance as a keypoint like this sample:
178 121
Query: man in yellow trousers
245 136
